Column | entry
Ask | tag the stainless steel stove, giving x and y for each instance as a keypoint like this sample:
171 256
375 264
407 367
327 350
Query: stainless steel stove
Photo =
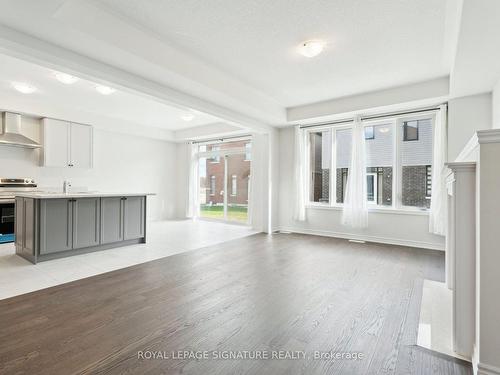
8 189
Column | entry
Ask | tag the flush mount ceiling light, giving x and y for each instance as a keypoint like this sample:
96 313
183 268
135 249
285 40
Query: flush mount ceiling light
105 90
23 87
65 78
187 117
311 48
384 130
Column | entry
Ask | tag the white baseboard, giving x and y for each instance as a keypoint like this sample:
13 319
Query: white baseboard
350 236
483 369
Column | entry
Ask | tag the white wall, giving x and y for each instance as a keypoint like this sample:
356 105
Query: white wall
409 229
496 105
182 153
121 163
467 115
274 178
433 89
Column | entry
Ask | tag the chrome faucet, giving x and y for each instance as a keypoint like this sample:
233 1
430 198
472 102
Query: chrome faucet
66 186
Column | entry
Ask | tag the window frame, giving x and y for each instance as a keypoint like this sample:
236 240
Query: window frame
213 185
248 151
234 185
375 188
397 123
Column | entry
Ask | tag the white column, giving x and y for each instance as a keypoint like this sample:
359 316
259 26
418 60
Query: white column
450 233
461 254
487 347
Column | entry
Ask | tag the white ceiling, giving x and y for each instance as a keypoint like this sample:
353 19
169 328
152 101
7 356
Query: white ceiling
81 97
240 54
371 44
236 60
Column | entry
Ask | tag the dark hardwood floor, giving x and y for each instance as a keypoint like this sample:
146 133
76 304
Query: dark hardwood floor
259 293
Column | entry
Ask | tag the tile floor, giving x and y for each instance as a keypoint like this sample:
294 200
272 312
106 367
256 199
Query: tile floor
18 276
435 324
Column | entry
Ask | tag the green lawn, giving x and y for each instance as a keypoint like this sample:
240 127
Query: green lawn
235 213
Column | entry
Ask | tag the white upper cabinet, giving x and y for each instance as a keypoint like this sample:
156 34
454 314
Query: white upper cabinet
56 135
80 149
67 144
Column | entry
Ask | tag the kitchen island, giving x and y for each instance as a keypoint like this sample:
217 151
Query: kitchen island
55 225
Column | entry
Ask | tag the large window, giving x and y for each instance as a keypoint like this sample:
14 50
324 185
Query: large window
398 163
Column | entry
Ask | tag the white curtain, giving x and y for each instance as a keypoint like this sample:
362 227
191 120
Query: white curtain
437 216
355 212
193 205
300 162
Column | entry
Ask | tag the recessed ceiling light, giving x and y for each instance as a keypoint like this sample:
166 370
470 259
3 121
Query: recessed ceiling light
65 78
187 117
105 90
311 48
23 87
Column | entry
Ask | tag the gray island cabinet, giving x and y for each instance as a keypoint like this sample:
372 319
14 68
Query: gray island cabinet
49 227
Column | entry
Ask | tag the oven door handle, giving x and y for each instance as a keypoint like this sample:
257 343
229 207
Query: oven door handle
7 219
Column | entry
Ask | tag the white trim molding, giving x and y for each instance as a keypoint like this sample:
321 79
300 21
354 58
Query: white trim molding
469 152
462 166
484 369
367 238
488 136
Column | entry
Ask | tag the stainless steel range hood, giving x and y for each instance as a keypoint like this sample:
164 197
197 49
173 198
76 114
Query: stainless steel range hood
11 132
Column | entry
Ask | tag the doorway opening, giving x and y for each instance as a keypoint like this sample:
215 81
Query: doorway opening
224 180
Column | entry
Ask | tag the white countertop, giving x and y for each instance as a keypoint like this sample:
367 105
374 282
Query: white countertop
76 194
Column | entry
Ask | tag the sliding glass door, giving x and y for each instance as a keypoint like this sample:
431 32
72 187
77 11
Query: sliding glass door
238 182
224 171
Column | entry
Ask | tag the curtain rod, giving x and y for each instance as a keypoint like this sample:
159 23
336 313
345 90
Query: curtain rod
374 117
222 139
384 115
344 121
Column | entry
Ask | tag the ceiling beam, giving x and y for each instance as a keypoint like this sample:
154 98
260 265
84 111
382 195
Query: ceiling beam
215 129
27 47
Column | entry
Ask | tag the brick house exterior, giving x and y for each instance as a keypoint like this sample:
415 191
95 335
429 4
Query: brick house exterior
415 156
238 176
